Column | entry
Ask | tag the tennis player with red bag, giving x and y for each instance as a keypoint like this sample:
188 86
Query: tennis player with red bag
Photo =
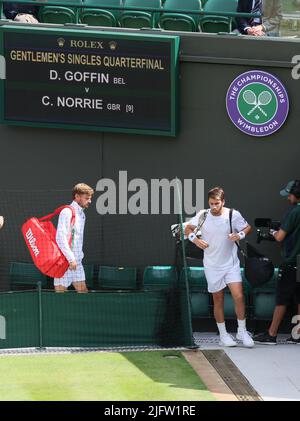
40 237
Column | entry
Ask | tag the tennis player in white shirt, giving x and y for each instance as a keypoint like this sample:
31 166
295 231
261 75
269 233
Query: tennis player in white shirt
82 197
221 262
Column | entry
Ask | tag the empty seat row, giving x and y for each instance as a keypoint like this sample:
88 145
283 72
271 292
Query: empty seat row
260 302
99 13
201 301
107 277
174 18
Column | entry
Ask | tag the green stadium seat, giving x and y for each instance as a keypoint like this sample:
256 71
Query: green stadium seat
65 2
112 277
199 296
264 299
97 17
180 21
246 285
25 274
214 24
99 14
140 19
200 304
263 305
58 14
89 275
159 277
196 278
2 16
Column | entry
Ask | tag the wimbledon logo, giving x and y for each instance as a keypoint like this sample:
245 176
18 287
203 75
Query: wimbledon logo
257 103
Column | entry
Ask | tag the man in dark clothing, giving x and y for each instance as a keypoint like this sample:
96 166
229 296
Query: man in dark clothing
250 26
287 288
20 12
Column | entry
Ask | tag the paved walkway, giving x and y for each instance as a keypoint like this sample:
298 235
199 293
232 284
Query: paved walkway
272 370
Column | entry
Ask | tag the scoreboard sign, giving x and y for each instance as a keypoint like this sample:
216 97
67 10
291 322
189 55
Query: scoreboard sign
90 80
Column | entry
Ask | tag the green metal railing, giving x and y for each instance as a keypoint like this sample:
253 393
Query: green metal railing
72 3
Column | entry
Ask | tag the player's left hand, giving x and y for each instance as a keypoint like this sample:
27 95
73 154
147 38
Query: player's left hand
234 237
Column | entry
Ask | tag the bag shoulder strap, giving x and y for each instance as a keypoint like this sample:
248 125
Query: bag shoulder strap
230 222
230 219
57 211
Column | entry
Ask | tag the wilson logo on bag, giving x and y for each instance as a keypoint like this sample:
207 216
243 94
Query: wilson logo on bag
32 242
40 237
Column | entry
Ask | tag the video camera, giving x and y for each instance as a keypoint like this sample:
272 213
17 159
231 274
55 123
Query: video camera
267 224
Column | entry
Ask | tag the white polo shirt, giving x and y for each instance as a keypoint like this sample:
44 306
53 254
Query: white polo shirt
64 231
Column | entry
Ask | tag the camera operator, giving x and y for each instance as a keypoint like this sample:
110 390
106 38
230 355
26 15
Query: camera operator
287 287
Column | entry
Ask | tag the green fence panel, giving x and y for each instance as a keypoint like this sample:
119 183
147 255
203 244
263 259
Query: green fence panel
99 319
19 319
108 319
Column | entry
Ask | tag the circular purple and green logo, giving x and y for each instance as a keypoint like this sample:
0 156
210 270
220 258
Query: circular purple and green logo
257 103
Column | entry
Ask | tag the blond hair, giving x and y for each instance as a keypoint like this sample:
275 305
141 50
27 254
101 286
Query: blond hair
82 188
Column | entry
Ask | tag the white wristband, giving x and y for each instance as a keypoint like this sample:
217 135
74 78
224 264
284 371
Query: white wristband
273 232
192 236
242 235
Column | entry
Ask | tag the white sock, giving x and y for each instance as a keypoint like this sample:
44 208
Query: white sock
222 328
241 324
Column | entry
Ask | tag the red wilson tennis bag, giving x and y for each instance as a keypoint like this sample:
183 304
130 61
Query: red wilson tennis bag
40 237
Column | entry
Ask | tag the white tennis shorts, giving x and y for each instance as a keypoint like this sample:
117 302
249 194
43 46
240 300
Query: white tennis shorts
218 279
71 276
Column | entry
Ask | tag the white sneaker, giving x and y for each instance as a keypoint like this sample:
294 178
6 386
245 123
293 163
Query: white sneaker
227 340
245 337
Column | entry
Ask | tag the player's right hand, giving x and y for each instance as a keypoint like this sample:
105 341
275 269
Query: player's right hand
200 243
73 265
